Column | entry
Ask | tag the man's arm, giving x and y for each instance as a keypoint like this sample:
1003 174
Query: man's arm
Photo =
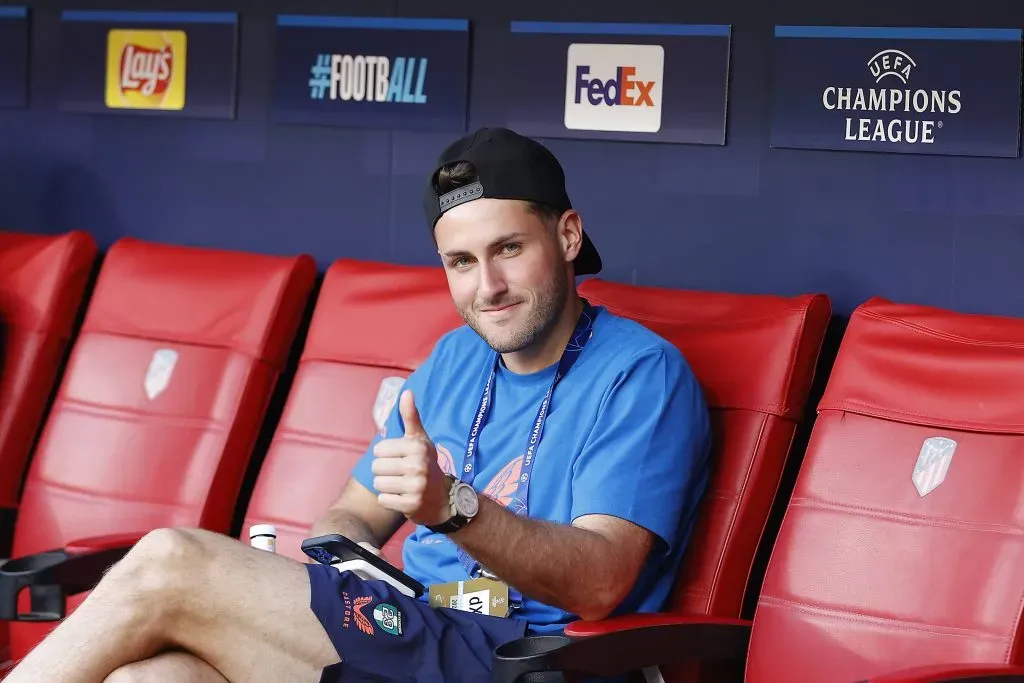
645 461
357 515
586 569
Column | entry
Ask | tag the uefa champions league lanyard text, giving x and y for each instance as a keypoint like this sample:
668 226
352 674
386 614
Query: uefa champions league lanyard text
519 505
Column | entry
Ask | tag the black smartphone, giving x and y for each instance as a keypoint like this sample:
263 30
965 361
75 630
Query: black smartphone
332 548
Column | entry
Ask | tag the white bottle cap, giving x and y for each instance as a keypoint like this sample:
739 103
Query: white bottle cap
262 530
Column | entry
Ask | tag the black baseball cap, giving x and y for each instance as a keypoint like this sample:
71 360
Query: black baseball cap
509 166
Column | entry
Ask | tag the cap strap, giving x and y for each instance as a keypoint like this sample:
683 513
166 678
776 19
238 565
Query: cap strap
460 195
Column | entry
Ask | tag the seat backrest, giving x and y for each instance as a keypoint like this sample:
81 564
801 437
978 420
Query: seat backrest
162 399
164 392
42 283
754 357
904 539
372 322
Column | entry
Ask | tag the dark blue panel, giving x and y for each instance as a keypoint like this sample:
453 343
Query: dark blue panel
372 72
986 272
13 57
905 90
210 58
616 81
941 230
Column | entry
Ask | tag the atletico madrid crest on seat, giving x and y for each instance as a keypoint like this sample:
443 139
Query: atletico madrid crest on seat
387 395
158 374
933 464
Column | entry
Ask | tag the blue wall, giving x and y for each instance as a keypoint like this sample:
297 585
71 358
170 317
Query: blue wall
744 217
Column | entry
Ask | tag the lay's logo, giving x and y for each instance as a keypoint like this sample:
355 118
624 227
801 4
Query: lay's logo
613 87
145 69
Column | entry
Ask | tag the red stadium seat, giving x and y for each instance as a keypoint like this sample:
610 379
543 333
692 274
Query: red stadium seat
157 414
755 358
42 284
899 557
373 321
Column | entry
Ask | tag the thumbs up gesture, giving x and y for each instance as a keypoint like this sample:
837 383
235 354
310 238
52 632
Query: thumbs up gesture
406 473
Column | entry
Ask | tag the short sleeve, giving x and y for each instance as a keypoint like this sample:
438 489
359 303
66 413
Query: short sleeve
393 425
645 460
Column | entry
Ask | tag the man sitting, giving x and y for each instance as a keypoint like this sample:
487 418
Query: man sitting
549 445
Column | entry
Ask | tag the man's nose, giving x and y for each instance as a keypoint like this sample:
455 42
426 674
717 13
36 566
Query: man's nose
492 282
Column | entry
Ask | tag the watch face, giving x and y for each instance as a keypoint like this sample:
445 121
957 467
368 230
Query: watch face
465 500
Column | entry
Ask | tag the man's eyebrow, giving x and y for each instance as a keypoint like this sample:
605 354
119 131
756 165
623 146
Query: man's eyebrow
494 243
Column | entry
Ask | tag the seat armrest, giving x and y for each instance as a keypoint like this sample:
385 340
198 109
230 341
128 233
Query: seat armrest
617 646
52 575
589 629
108 542
955 673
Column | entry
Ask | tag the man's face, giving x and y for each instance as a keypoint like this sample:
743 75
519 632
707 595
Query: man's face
506 270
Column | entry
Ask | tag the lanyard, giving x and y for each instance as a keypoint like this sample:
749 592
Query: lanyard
520 502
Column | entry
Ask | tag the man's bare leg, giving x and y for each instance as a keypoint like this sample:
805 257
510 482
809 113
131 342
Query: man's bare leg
244 611
169 667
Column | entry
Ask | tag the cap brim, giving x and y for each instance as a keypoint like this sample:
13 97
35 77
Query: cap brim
588 261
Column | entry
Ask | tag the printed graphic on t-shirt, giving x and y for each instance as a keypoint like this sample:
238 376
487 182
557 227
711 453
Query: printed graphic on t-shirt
503 487
445 460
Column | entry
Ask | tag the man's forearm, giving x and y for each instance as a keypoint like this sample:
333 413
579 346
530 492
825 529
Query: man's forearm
557 564
348 525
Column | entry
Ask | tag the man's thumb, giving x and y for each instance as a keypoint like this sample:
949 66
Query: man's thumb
410 416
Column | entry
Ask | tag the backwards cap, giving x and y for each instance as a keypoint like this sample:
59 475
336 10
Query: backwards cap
508 166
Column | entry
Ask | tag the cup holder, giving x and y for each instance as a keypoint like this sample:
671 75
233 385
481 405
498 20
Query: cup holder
530 646
33 564
512 657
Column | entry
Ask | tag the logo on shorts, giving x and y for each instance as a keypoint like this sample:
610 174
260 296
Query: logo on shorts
388 618
354 612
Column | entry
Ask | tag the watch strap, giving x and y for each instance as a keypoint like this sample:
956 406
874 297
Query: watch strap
453 523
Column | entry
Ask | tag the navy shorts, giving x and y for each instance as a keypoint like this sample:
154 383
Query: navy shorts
382 635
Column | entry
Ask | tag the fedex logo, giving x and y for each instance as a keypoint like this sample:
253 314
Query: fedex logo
613 87
623 90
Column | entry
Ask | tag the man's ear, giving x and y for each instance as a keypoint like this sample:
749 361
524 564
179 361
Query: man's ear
570 234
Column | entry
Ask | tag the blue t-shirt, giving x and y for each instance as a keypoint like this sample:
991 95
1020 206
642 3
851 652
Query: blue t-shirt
627 435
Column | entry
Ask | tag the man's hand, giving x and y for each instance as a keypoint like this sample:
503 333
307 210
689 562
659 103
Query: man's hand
406 472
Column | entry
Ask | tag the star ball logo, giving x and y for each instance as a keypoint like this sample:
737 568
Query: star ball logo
368 78
919 112
145 69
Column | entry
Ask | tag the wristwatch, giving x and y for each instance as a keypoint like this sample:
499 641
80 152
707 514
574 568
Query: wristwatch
464 503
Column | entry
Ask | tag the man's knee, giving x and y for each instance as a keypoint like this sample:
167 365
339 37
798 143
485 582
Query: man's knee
165 668
160 562
132 673
173 547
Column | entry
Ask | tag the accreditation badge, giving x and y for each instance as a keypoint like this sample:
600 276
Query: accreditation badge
479 596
